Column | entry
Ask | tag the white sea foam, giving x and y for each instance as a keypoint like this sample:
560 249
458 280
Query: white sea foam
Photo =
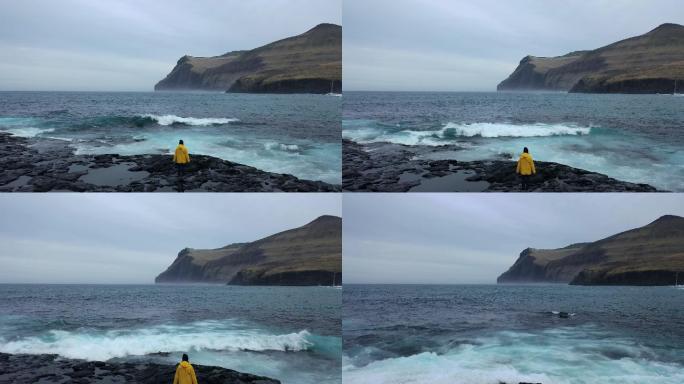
561 356
454 131
202 121
513 130
22 126
281 147
28 131
199 336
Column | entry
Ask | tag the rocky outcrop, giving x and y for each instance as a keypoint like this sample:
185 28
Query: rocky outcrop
291 278
43 165
307 63
308 255
650 255
20 369
650 63
387 167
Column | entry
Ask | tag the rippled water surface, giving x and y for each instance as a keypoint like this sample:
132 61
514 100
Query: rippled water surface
638 138
486 334
295 134
288 333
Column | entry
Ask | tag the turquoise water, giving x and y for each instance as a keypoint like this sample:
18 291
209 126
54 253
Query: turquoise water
487 334
637 138
295 134
288 333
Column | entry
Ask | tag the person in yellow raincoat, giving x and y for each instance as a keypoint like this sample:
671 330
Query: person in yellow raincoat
181 157
185 374
525 168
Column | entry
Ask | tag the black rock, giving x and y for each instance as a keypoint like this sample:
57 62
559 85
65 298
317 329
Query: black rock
43 165
21 369
386 167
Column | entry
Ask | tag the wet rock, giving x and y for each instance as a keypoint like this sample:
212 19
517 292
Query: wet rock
43 165
21 369
385 167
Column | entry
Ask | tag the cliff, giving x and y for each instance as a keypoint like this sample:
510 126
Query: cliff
307 255
306 63
650 63
649 255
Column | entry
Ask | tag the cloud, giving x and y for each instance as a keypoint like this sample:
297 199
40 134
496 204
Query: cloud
463 45
130 45
440 238
117 238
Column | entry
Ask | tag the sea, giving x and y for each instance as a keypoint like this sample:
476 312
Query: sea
636 138
492 334
288 333
294 134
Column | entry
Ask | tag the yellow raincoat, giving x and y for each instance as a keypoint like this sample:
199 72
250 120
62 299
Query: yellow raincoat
185 374
525 165
181 155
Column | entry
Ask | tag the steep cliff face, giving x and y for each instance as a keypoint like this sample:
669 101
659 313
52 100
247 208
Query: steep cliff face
650 63
307 63
650 255
532 266
308 255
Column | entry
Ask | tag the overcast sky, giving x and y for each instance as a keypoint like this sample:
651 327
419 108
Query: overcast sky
131 238
460 238
115 45
466 45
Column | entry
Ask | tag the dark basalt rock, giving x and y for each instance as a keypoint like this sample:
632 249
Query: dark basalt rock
291 278
385 167
43 165
19 369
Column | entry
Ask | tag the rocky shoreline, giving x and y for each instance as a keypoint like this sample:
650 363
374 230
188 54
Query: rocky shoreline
53 369
386 167
43 165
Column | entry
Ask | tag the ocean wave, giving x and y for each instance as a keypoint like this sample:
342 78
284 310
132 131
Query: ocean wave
561 356
22 126
201 121
281 147
97 345
492 130
452 132
28 131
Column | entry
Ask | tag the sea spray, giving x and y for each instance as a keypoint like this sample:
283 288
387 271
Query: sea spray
233 127
452 133
90 344
561 356
201 121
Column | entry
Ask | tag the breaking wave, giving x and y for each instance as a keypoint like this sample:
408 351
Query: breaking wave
28 131
201 121
451 132
560 356
512 130
282 147
22 126
98 345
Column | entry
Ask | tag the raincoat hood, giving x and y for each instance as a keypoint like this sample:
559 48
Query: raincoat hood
525 165
181 156
185 374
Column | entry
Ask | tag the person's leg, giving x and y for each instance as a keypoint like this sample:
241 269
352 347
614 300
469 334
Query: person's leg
524 182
